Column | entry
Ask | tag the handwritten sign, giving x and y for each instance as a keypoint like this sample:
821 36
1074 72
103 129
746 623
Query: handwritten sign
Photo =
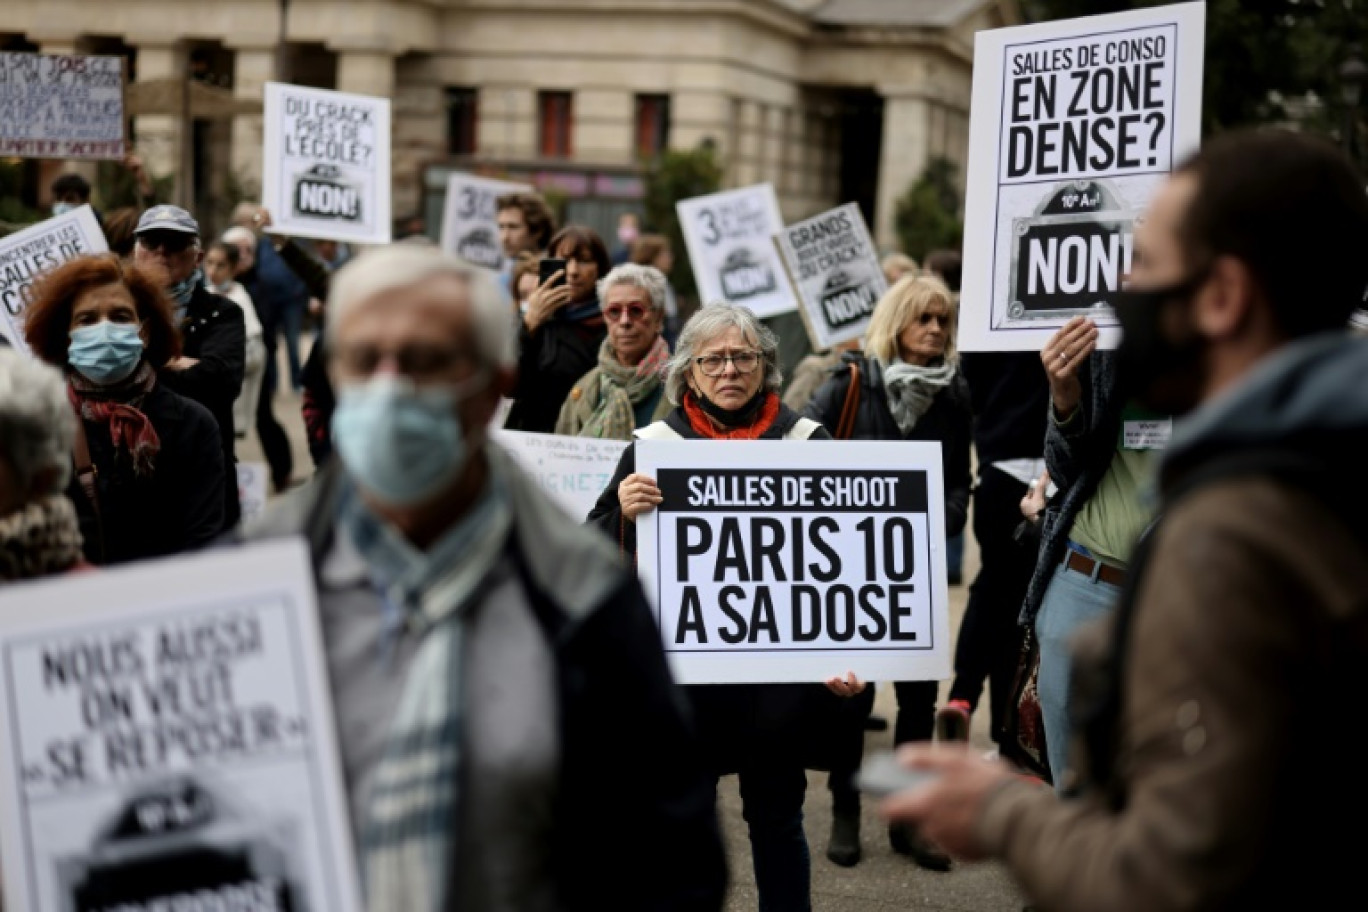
573 471
61 106
26 255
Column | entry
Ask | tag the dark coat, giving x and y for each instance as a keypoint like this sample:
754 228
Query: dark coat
948 422
179 508
550 360
741 724
214 334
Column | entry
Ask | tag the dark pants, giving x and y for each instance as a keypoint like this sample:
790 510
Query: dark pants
772 803
916 722
292 322
989 636
275 445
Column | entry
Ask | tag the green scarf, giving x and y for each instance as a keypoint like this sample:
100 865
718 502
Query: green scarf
612 415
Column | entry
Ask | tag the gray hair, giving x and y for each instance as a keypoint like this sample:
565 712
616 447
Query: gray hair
647 278
388 269
706 325
37 423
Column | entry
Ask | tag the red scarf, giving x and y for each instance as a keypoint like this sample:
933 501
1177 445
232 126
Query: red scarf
701 423
116 406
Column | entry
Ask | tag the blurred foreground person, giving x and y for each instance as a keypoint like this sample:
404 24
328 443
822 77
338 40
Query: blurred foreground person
149 463
1204 780
39 532
483 648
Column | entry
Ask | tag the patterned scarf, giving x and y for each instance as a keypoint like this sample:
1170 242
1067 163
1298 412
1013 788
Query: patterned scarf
39 539
183 291
911 388
621 388
118 405
408 838
702 424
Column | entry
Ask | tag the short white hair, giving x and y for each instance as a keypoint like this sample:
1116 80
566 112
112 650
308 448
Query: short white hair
37 423
647 278
387 269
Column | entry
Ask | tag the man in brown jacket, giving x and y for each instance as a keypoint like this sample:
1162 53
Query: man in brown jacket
1218 713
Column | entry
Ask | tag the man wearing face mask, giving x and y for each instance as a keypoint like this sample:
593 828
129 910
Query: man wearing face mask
1244 626
483 648
213 329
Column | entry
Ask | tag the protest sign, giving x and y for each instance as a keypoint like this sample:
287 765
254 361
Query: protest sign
730 248
251 480
170 740
61 106
27 254
795 561
326 164
1073 126
573 471
835 269
470 219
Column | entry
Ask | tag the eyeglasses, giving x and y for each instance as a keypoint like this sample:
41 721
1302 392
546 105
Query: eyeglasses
415 361
714 365
614 312
169 242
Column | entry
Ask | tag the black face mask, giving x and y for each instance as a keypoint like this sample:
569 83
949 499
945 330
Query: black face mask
732 418
1159 372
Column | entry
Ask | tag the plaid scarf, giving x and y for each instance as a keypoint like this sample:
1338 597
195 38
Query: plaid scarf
39 539
613 416
118 406
408 837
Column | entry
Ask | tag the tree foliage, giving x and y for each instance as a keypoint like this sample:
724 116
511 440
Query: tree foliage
678 175
926 217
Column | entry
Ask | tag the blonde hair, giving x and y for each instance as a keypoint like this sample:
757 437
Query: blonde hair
900 263
906 301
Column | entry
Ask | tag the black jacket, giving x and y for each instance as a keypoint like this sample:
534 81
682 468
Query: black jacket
550 360
947 421
635 826
179 508
1010 396
214 333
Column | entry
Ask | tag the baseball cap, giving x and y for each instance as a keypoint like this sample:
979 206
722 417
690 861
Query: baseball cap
167 218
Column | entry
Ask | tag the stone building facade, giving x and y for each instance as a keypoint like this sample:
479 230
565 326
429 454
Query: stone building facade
829 100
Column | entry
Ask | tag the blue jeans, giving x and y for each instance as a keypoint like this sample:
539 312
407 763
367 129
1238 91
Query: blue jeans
1072 600
772 804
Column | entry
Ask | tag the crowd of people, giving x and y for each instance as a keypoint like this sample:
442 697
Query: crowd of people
1173 584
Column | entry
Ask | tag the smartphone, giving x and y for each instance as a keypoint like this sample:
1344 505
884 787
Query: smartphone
883 775
548 267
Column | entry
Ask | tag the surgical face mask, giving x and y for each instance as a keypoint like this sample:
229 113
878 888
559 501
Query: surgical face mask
401 442
105 353
62 208
1156 368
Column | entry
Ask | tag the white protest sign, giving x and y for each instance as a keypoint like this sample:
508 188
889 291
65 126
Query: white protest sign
470 219
61 106
1073 126
573 471
730 248
326 164
26 255
835 268
170 740
778 561
251 480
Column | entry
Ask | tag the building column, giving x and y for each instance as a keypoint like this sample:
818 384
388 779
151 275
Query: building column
253 67
365 72
902 158
158 136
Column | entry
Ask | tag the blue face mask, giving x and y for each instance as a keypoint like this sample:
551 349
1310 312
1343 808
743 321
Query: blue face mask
400 442
62 208
106 352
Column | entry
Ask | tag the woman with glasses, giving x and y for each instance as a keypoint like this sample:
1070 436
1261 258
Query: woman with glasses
149 465
560 334
626 390
910 388
724 381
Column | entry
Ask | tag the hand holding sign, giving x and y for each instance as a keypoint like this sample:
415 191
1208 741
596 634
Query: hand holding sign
1062 356
638 494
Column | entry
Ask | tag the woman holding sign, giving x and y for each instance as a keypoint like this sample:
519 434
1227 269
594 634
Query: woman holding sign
149 462
724 379
906 385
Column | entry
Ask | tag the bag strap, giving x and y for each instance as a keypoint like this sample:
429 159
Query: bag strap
846 425
88 476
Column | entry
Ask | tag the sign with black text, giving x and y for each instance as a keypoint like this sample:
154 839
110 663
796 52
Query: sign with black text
26 255
170 740
729 236
775 561
1073 126
470 218
835 269
326 164
61 106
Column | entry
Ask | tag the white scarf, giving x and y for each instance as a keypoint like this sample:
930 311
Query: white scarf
911 388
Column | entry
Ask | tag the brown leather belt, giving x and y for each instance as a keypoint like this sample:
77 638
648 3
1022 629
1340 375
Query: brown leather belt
1083 564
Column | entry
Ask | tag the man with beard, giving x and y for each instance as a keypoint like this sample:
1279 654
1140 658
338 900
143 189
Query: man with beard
1203 778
